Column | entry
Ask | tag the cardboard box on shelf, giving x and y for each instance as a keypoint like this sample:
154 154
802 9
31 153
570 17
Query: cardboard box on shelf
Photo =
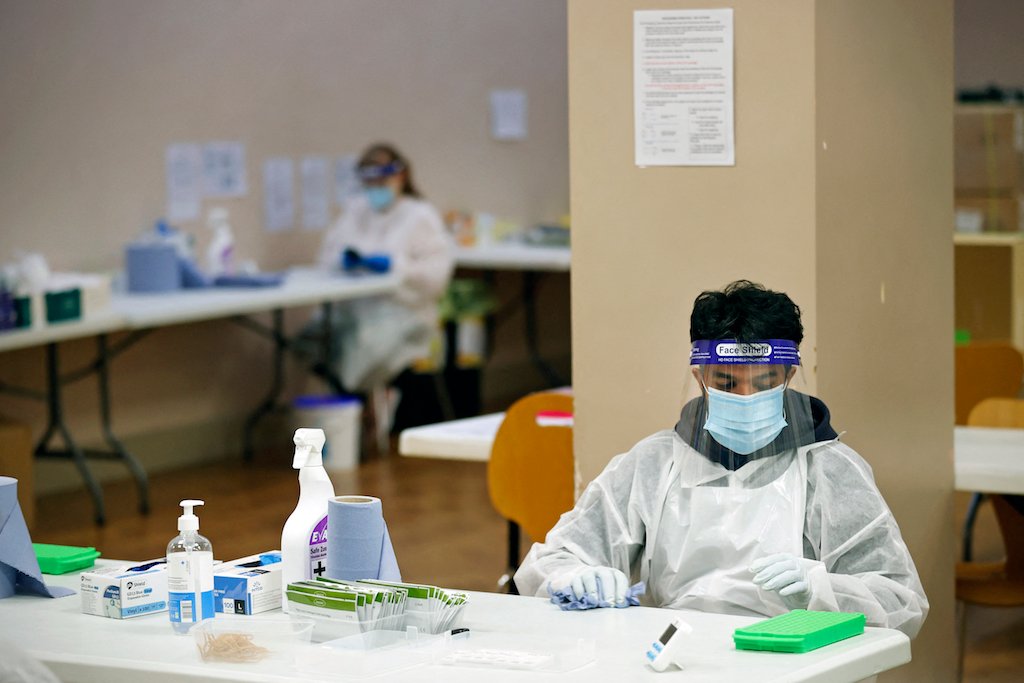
997 213
988 149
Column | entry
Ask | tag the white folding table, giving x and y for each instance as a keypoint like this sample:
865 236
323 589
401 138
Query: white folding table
470 438
139 314
82 648
530 260
989 460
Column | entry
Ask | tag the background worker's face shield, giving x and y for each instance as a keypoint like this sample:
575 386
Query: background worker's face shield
376 174
742 401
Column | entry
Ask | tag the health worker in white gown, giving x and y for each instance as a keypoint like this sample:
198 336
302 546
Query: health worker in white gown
390 228
751 505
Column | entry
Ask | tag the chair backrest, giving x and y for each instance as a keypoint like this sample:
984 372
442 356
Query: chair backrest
986 370
998 412
530 472
1007 413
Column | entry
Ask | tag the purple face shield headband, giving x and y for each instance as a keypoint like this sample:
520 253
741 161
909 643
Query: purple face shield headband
732 352
378 171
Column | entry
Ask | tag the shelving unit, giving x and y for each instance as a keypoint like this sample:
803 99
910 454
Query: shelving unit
989 283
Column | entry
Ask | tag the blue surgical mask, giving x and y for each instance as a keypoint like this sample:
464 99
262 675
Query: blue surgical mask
744 424
380 197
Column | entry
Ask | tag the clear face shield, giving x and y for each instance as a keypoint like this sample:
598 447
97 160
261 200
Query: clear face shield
743 401
375 174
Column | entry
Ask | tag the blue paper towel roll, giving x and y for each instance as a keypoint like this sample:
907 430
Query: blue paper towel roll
19 568
358 544
152 267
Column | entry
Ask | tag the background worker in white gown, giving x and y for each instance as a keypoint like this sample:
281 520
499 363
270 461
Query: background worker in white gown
389 229
750 506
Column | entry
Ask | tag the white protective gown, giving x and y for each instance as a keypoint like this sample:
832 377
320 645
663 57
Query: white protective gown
381 336
665 514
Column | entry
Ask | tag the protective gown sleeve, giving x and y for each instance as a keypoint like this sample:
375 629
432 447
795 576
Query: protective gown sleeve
607 527
863 563
427 257
336 239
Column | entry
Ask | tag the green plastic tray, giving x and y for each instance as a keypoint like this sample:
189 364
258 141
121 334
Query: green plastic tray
799 631
61 559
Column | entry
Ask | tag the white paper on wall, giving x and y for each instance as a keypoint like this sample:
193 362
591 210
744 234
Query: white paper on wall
508 114
278 194
683 87
224 169
316 192
346 182
184 169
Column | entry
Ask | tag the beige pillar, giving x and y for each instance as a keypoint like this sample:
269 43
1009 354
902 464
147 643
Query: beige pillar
841 196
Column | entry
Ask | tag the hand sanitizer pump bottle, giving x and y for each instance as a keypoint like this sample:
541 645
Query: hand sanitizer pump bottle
304 537
189 573
220 253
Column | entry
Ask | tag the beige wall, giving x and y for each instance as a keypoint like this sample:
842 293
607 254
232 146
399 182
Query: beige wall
642 252
885 270
872 81
92 91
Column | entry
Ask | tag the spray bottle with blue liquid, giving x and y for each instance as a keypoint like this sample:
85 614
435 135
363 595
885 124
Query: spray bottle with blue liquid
189 573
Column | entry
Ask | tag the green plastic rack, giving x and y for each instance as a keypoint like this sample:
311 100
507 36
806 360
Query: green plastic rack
799 631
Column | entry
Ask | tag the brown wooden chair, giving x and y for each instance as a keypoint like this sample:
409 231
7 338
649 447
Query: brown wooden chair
983 370
530 472
995 584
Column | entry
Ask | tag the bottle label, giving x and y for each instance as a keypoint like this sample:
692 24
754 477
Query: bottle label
318 550
190 586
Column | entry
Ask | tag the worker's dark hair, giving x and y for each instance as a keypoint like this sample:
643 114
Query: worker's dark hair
381 154
745 311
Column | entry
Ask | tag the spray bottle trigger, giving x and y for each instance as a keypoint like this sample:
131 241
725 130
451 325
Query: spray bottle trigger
308 442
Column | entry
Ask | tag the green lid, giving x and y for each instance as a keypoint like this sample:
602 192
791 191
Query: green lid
61 559
799 631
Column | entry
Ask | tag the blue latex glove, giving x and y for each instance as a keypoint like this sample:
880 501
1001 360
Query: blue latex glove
377 263
350 260
786 574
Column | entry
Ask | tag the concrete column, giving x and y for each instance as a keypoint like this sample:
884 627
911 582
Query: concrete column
841 196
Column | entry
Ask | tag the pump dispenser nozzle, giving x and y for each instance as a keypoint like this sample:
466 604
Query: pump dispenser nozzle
309 444
188 521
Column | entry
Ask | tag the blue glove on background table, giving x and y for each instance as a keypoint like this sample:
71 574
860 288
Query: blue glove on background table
352 260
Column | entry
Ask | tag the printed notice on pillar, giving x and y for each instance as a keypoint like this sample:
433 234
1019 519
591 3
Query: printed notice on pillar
683 87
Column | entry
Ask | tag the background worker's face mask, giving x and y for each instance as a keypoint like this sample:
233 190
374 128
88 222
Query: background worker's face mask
380 197
742 405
